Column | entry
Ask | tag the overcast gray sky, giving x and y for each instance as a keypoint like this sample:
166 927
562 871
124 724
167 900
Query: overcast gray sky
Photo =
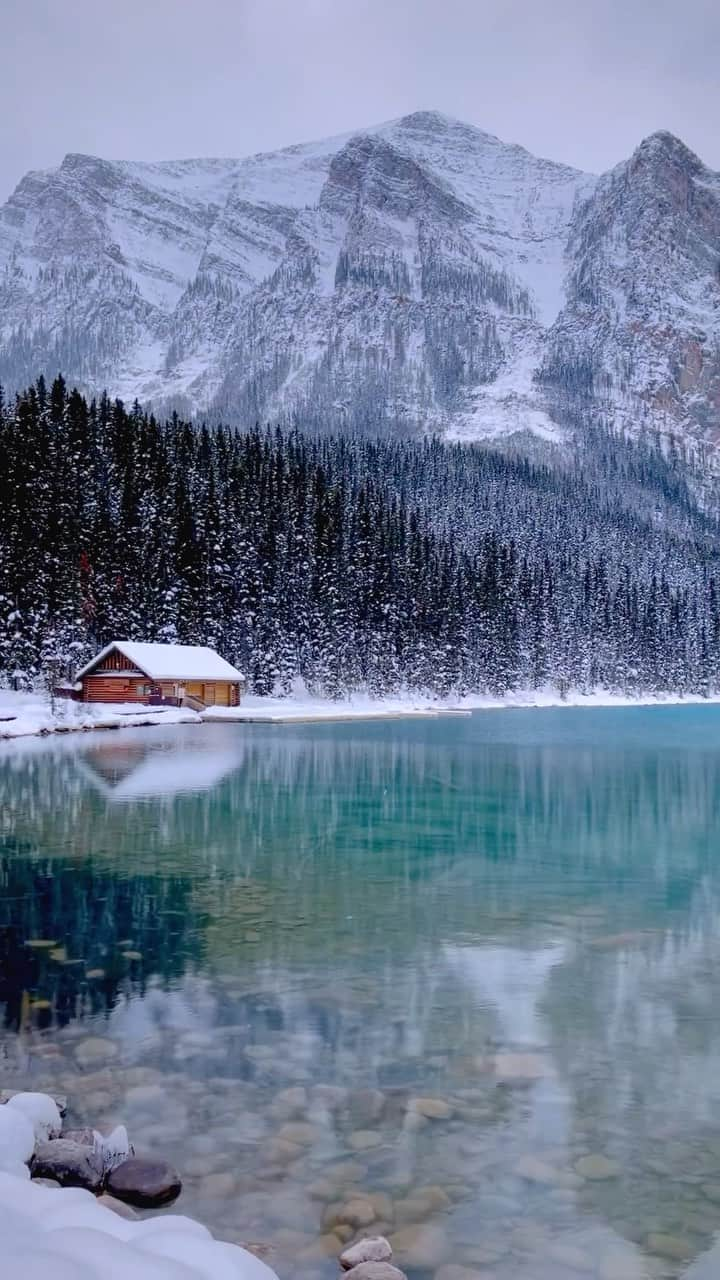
578 80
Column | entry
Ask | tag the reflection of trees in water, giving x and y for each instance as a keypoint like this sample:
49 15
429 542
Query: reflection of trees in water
94 915
424 788
350 847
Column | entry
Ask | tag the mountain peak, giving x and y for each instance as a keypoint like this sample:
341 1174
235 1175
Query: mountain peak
437 123
428 120
663 146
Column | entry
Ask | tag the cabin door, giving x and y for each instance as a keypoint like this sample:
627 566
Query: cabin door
209 695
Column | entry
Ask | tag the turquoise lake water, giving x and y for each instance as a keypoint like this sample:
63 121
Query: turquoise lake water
455 979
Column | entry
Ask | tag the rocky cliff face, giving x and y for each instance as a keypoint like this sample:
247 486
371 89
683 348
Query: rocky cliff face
638 335
419 276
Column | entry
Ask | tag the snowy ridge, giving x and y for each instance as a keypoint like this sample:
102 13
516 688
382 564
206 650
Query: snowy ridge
420 275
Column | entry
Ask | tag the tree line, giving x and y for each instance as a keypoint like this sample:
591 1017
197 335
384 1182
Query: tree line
372 564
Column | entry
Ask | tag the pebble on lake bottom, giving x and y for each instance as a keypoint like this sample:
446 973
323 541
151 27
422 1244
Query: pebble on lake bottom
665 1245
375 1271
371 1249
596 1168
431 1108
95 1050
365 1139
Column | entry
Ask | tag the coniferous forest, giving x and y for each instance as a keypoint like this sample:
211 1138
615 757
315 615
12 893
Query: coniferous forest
353 563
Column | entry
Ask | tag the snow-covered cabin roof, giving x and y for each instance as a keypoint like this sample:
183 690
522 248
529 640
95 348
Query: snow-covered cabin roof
169 661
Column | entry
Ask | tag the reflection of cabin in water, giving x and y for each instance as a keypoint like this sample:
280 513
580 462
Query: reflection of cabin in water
112 762
160 674
126 770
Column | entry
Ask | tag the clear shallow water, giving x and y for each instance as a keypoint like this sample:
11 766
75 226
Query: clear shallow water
515 915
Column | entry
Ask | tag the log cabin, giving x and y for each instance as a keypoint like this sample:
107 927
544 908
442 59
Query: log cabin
160 675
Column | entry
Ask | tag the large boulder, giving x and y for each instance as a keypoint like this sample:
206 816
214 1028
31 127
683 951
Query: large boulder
72 1164
144 1183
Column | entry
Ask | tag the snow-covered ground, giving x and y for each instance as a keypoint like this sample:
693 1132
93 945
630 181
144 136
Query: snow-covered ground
25 714
301 706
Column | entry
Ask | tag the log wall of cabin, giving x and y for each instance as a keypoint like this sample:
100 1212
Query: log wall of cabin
107 688
99 687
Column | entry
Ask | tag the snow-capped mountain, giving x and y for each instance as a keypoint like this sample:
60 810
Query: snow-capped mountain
420 274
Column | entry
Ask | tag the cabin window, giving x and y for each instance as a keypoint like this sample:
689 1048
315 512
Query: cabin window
142 690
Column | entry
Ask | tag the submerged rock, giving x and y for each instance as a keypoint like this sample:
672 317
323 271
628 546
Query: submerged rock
520 1068
372 1249
431 1108
119 1207
72 1164
365 1139
303 1135
412 1209
677 1248
325 1246
424 1246
357 1212
532 1169
597 1168
145 1183
95 1050
218 1186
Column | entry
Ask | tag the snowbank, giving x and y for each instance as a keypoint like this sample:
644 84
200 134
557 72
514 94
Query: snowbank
65 1234
23 714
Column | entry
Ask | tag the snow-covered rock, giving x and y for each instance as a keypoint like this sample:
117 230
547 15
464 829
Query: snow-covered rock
421 274
17 1137
41 1111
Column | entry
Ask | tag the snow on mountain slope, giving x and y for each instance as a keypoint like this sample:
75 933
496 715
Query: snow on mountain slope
418 275
639 334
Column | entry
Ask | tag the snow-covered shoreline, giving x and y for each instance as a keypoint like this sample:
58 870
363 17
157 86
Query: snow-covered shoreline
301 707
25 715
28 714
